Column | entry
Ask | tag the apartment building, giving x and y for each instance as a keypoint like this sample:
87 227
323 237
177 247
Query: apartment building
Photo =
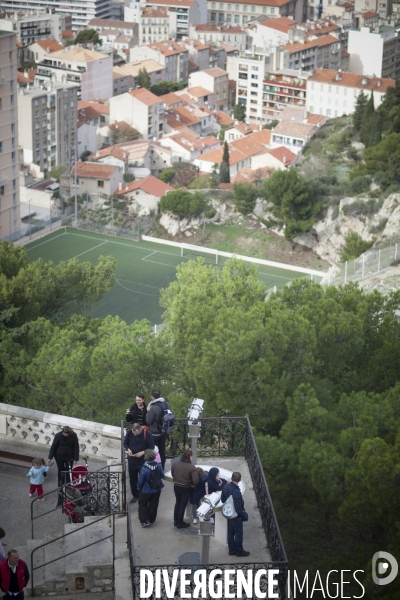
170 54
49 117
384 9
375 53
37 51
96 179
213 32
35 25
312 53
199 52
226 11
282 89
154 24
182 13
80 11
215 80
142 110
125 77
249 75
90 70
126 27
10 222
334 93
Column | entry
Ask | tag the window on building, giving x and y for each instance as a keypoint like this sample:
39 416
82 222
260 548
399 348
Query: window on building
220 17
244 8
272 11
221 7
244 20
229 6
229 18
253 9
100 183
1 147
237 19
1 190
213 5
213 17
264 10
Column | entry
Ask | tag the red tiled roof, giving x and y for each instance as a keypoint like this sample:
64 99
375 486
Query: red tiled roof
284 155
324 40
150 185
99 106
67 35
369 15
283 24
170 98
93 170
351 80
26 77
223 27
262 2
179 117
145 96
247 175
50 45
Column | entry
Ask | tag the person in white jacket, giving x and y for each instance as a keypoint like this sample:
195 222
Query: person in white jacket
36 477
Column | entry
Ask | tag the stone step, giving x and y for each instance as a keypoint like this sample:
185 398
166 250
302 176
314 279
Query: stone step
55 571
100 554
76 562
38 559
120 536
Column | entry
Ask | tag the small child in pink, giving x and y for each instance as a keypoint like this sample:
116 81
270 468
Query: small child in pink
158 457
36 477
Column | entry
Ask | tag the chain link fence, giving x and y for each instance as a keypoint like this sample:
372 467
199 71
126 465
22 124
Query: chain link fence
386 253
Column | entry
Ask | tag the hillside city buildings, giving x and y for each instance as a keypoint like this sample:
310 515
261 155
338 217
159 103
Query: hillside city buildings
274 60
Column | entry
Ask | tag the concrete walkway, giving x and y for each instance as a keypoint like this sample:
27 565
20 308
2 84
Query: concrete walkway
162 543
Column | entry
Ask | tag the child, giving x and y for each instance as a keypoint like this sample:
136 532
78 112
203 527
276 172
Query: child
36 477
197 493
215 482
158 457
2 553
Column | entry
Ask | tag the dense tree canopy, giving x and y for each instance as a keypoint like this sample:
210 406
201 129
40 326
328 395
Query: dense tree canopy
292 200
183 203
316 369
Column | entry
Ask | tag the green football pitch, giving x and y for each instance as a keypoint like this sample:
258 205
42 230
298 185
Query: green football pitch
143 268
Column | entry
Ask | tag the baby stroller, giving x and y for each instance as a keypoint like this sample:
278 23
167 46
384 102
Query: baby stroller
79 497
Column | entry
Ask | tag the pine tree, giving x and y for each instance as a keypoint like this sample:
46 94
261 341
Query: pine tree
239 112
224 171
359 110
366 120
143 79
374 133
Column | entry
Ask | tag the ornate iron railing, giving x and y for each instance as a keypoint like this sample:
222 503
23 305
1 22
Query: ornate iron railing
226 437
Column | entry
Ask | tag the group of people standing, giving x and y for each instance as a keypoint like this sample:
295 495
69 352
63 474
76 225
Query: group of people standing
145 446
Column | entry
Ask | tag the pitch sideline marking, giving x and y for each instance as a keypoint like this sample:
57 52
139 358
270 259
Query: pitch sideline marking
135 291
46 242
151 254
90 249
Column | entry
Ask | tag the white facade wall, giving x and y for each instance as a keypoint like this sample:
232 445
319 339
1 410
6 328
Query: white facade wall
121 108
266 160
366 52
334 100
264 37
91 186
97 81
142 202
87 137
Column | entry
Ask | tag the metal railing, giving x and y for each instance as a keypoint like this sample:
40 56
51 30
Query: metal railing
226 437
112 535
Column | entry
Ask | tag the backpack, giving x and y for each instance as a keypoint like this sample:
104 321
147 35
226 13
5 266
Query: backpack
155 479
228 509
167 420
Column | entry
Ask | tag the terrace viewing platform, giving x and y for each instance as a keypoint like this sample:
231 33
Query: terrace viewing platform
105 553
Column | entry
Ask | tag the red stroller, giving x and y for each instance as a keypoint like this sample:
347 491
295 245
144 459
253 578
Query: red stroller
79 498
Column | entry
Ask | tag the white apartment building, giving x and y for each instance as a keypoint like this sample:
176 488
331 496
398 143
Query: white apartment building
35 25
183 13
80 11
215 80
375 53
91 70
199 53
311 53
384 9
170 54
226 11
249 76
154 24
49 117
127 27
334 93
10 222
142 110
213 32
274 32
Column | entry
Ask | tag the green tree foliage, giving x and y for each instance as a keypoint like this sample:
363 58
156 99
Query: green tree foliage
224 172
184 173
88 36
245 196
271 125
165 87
56 172
354 246
359 110
183 203
383 160
40 289
167 175
239 112
143 79
292 200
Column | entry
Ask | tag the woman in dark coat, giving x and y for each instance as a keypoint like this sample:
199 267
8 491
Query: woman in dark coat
215 482
198 492
65 451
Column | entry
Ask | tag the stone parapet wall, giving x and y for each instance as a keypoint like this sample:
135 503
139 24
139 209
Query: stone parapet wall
35 427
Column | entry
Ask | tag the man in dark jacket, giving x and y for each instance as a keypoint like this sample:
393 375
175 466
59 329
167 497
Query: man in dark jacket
149 496
136 441
65 450
154 420
14 576
235 526
137 412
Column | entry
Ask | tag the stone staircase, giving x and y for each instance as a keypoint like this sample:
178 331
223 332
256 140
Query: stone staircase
93 564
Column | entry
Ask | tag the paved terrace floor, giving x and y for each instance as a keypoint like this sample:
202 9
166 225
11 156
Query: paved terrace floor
159 544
